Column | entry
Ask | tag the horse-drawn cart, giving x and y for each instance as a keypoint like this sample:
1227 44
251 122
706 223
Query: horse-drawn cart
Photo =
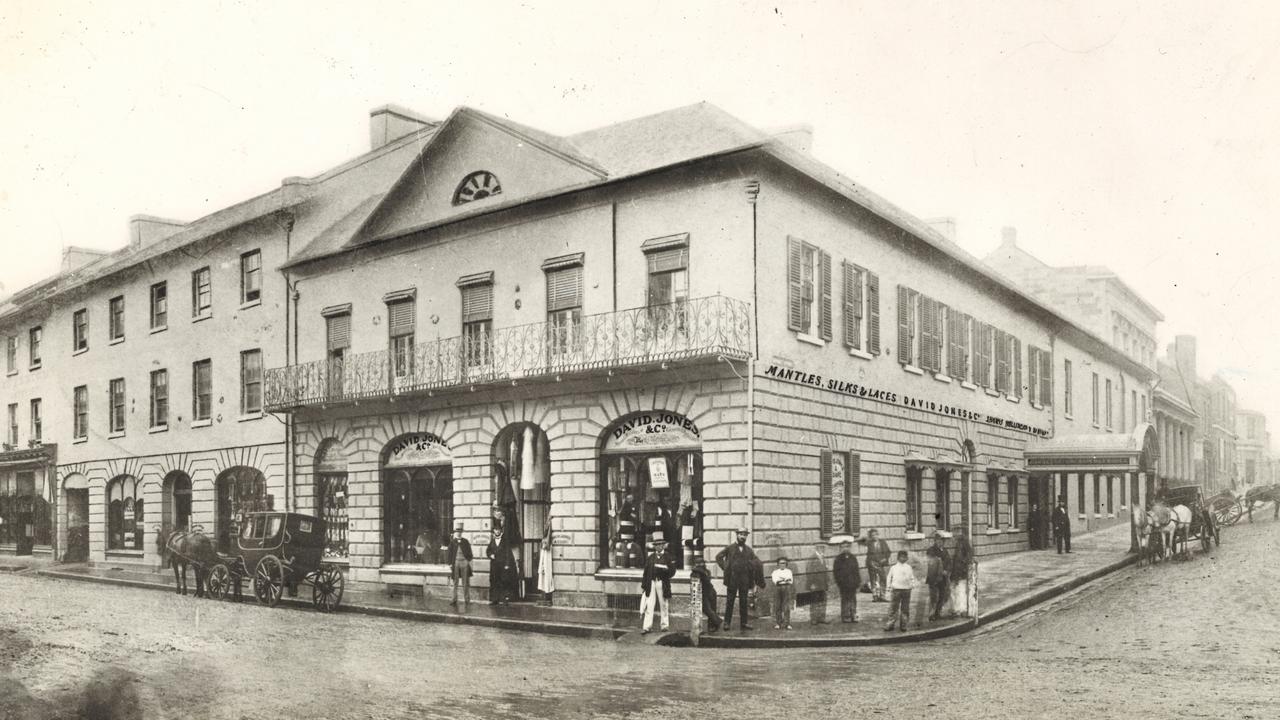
278 550
1259 495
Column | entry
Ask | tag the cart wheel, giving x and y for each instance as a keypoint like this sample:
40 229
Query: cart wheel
219 581
1206 539
268 581
326 588
1234 513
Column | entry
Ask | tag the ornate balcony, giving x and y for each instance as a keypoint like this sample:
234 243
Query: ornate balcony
703 327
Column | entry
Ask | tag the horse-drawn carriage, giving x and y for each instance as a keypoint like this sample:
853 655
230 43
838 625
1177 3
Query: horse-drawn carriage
276 550
1179 516
1228 507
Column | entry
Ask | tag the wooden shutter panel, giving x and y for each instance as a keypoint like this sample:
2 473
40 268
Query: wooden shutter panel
477 303
401 318
1033 372
964 353
795 299
981 363
853 486
824 271
1046 378
668 260
564 288
1002 360
928 333
825 480
1018 390
339 332
850 310
873 311
904 325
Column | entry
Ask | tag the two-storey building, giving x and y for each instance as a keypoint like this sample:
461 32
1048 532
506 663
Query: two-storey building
1256 464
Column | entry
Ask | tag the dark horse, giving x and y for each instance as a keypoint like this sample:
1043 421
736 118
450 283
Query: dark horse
192 548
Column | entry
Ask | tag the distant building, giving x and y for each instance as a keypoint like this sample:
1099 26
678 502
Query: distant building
1256 464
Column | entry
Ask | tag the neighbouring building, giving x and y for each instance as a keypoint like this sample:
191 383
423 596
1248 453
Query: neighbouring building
1256 463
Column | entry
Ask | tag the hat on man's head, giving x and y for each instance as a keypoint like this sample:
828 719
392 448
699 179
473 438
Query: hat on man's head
743 531
936 534
655 544
459 528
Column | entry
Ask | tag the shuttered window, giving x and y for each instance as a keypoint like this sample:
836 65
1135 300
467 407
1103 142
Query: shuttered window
824 285
841 490
338 329
808 283
668 260
477 303
906 324
1001 345
873 313
1016 351
401 318
860 308
982 354
564 288
930 331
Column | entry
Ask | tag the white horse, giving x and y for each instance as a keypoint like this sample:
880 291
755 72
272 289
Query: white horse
1142 527
1173 524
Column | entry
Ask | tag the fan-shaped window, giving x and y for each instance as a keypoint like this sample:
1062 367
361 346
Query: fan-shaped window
477 186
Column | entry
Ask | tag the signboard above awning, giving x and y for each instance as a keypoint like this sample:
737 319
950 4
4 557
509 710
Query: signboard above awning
657 431
1133 452
418 450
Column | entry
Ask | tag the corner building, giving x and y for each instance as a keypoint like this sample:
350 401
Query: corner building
670 328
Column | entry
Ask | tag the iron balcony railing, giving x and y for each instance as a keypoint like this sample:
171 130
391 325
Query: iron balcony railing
700 327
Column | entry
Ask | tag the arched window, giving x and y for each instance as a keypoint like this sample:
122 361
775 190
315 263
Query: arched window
477 186
175 501
417 499
522 492
331 497
125 526
240 490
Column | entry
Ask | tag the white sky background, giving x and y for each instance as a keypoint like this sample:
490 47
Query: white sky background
1138 136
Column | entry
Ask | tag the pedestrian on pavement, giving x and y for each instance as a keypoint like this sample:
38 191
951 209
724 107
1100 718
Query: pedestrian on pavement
459 557
845 570
703 576
503 575
162 548
742 570
1062 526
1034 520
655 585
936 575
878 557
816 583
900 579
784 594
960 562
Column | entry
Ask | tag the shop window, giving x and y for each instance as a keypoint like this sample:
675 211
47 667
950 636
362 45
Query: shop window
418 513
25 517
840 503
942 498
993 501
522 493
240 490
331 498
1097 495
1111 500
159 305
915 479
1012 501
125 521
808 289
1080 506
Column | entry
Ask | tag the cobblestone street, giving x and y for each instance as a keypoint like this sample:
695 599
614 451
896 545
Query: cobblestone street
1198 636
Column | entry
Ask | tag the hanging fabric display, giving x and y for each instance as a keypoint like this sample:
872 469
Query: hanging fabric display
686 487
527 479
542 465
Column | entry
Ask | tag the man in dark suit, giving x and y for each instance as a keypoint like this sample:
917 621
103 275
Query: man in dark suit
1062 527
742 569
845 570
459 558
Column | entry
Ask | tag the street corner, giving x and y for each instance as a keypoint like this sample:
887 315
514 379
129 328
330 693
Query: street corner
664 638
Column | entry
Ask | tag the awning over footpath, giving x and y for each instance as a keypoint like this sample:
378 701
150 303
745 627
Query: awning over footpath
1098 452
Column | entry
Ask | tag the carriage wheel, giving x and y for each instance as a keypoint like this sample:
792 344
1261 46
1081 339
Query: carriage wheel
1206 538
1234 513
268 581
219 582
326 588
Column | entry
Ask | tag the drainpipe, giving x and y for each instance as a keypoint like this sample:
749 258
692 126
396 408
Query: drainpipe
753 194
290 313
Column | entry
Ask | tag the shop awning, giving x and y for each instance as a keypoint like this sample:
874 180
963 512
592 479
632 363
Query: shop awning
1116 452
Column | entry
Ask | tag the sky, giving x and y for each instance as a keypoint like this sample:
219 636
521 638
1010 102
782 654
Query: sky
1140 136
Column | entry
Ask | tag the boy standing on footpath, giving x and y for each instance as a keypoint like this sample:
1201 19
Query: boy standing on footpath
900 581
877 564
845 570
784 589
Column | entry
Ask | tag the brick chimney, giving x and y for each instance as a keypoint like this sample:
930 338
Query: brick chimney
74 258
1183 354
392 122
146 230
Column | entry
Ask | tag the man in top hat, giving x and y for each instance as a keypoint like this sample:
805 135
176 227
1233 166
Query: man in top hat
742 569
1062 526
936 577
655 585
459 558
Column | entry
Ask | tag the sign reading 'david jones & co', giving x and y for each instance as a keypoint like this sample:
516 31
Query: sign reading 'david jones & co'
655 431
417 450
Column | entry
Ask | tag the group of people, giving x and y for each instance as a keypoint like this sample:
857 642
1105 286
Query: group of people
1040 522
947 578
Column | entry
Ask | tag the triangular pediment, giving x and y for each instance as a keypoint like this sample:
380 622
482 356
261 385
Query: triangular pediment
492 161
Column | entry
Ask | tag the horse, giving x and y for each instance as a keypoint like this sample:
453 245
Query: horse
192 548
1172 523
1142 528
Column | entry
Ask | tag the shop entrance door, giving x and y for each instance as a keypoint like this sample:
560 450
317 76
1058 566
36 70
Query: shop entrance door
77 526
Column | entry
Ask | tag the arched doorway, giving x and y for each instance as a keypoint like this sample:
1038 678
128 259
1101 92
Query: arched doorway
175 502
651 483
240 490
76 490
125 516
522 491
417 499
331 497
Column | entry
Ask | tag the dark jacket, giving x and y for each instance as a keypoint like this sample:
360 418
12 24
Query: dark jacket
1061 520
657 567
741 567
703 576
939 563
961 559
845 570
878 554
454 545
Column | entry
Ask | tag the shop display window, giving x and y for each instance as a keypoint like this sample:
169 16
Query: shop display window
125 516
332 504
418 513
652 496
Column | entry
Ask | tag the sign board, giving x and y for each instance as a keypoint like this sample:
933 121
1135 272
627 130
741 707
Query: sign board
658 473
657 431
417 450
838 513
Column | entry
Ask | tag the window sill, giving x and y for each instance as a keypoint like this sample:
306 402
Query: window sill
202 318
911 535
79 440
250 416
201 423
11 373
635 574
993 531
812 340
1013 399
860 354
250 304
159 329
126 553
1068 416
1082 516
1037 406
115 341
968 385
1111 516
158 429
942 378
1012 530
115 435
1096 426
992 393
35 367
913 369
81 351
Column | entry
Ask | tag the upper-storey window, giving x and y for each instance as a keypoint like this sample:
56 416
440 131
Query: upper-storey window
564 305
201 293
115 397
983 354
477 319
12 353
251 276
33 345
1039 376
1095 399
115 318
861 308
1066 387
159 398
80 412
201 389
401 320
477 186
909 350
13 425
80 330
159 305
1109 419
37 420
250 382
808 289
337 340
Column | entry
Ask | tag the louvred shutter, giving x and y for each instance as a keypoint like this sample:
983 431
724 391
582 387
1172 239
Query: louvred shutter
904 325
339 332
795 299
825 484
853 505
1018 389
1001 347
1033 372
928 333
401 318
873 310
965 352
477 303
564 289
824 270
1046 378
849 306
